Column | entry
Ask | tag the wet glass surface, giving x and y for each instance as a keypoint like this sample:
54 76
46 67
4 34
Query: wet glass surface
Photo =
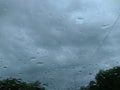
59 42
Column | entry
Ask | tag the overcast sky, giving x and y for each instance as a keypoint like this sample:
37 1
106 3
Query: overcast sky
59 42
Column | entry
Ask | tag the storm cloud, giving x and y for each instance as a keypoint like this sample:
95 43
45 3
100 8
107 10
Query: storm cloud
59 42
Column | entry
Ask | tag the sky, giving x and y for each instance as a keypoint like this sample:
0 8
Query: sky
59 42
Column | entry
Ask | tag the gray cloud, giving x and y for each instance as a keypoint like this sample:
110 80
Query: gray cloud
56 41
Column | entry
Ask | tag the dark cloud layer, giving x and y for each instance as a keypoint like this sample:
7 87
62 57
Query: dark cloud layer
58 42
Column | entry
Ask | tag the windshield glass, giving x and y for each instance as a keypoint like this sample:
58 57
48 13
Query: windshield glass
62 43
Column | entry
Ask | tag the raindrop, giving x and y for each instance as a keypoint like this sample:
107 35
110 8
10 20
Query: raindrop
40 63
105 26
33 58
80 71
4 67
90 73
117 62
84 67
80 20
45 72
20 73
45 84
38 52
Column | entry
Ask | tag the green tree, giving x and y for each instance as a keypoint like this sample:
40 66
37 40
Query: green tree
18 84
105 80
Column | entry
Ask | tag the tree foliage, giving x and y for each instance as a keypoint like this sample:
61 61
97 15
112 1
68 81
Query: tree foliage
18 84
105 80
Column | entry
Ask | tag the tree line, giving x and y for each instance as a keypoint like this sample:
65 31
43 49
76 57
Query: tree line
104 80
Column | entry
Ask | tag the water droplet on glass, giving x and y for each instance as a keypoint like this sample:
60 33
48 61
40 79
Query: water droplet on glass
80 20
117 62
4 67
45 84
40 63
80 71
84 67
20 73
33 58
90 73
105 26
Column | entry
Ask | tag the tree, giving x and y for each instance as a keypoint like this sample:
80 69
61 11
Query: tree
105 80
18 84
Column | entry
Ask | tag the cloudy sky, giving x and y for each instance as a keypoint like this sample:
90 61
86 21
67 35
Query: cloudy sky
59 42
